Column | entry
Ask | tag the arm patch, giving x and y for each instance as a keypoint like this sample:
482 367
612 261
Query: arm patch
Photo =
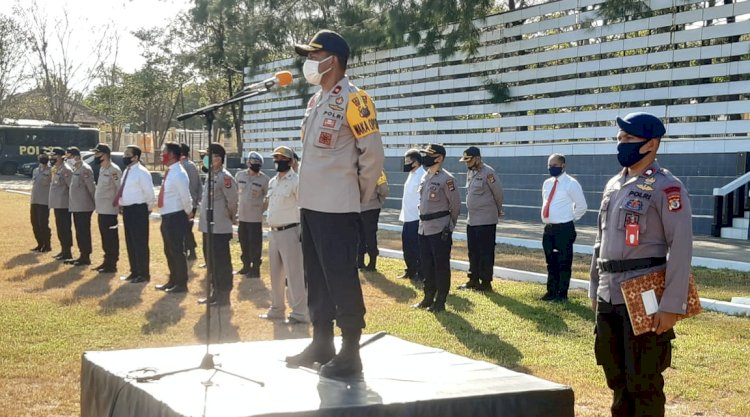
451 185
361 115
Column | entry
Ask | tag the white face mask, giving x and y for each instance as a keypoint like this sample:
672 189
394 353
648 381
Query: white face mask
310 69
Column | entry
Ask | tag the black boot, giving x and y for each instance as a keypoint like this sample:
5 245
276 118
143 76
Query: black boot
562 287
245 269
472 284
321 349
439 304
253 271
45 248
427 301
371 265
361 261
347 363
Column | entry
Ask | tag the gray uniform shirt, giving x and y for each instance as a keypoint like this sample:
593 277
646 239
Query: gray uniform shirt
82 189
225 203
381 193
106 189
196 188
438 192
252 191
42 177
659 203
59 189
484 196
342 150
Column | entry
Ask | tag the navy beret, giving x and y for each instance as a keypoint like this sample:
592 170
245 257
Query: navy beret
643 125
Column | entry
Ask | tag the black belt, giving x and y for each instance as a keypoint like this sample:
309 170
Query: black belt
433 216
629 264
288 226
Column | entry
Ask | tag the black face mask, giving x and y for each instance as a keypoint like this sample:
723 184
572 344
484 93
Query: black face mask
628 154
204 169
408 167
127 160
97 160
282 166
44 161
255 167
428 160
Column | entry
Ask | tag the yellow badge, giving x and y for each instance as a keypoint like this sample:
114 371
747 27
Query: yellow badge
382 179
361 115
645 187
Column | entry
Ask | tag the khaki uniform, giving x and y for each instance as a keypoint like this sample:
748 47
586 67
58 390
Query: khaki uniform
59 190
252 191
42 178
484 196
82 189
106 189
378 199
438 193
226 199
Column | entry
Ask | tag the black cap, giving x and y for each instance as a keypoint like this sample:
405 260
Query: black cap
325 40
470 152
103 148
56 151
73 150
642 125
215 149
434 149
185 149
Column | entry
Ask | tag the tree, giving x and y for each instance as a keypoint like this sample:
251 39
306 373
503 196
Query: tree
14 42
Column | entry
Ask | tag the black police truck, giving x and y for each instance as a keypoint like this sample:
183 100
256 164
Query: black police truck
20 144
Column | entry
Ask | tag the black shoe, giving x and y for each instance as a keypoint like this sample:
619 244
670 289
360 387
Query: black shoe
107 270
191 255
127 277
347 363
176 289
139 280
436 308
98 267
471 285
164 287
202 266
210 300
45 248
320 352
36 249
548 297
485 286
425 303
65 257
242 271
81 262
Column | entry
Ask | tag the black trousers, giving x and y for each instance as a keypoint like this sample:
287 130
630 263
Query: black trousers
368 233
40 224
82 222
222 262
135 221
633 365
557 242
189 237
110 239
173 231
63 225
481 244
329 252
436 265
410 246
250 236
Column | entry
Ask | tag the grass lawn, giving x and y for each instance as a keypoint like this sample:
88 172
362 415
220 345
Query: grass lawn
51 313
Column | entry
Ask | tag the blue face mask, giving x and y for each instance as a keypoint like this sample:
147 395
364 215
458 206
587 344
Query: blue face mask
555 171
628 154
205 161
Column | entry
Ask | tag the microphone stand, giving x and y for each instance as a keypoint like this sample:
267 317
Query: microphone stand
207 362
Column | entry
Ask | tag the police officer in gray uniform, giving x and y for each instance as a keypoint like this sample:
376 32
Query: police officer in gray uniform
484 200
225 200
253 186
645 225
343 158
82 190
439 206
368 226
41 177
59 197
196 188
110 176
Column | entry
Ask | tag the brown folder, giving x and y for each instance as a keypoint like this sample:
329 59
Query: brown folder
633 288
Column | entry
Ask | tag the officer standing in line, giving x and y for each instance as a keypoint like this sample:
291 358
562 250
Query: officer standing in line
439 206
368 226
106 189
645 225
59 197
253 186
484 200
344 157
82 190
409 215
196 188
41 178
225 201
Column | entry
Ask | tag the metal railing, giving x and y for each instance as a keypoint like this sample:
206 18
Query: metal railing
730 202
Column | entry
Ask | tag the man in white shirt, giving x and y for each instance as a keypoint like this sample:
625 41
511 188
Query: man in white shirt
136 199
284 246
409 215
563 203
176 209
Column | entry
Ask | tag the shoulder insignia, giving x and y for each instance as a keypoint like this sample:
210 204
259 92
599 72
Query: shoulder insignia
336 91
491 178
339 100
227 181
650 180
674 199
382 179
335 107
645 187
451 185
361 114
649 172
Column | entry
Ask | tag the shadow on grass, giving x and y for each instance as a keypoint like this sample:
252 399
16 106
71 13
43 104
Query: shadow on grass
127 295
98 286
546 320
255 291
62 279
30 258
399 292
221 328
581 310
481 343
283 331
42 269
165 312
459 303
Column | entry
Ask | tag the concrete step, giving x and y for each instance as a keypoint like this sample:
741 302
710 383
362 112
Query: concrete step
734 233
741 223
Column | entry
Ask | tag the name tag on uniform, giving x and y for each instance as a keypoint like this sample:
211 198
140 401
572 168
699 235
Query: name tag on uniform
632 232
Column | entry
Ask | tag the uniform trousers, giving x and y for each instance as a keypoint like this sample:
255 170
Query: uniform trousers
633 365
63 225
173 233
250 235
189 237
436 265
481 245
40 224
329 248
285 257
135 222
368 233
110 239
221 264
557 242
410 246
82 222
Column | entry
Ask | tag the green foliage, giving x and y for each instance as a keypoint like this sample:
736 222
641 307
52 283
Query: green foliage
620 10
499 90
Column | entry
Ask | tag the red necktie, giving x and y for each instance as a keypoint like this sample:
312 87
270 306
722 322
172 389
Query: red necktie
116 201
545 212
161 190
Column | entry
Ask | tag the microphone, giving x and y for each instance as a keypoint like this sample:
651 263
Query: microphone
282 78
